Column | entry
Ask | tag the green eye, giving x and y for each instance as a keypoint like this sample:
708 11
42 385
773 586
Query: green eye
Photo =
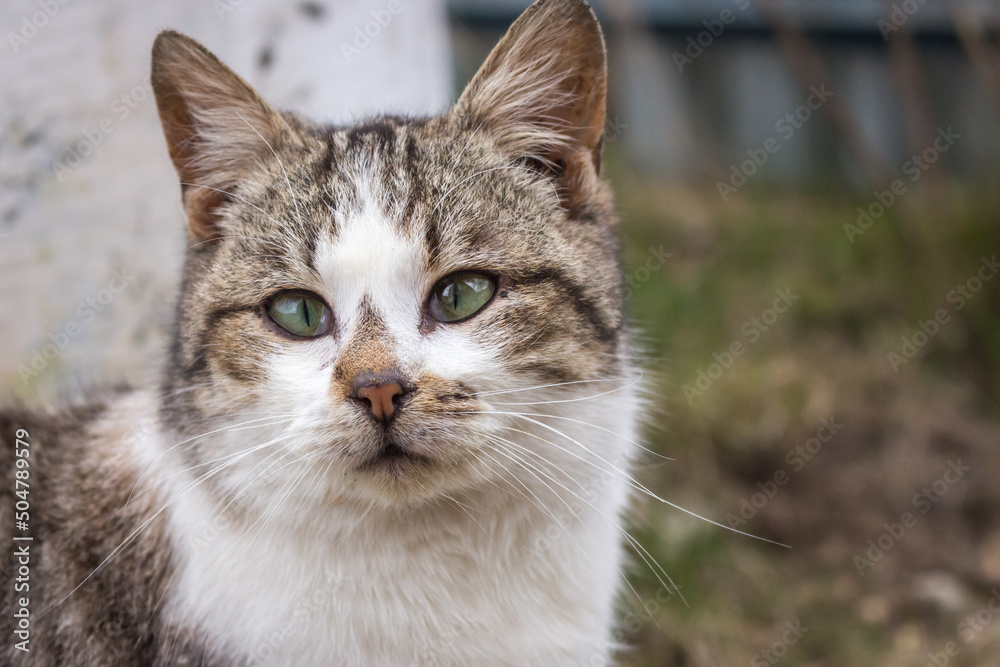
461 295
300 314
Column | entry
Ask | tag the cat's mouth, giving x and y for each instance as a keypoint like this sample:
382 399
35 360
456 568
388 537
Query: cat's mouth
393 457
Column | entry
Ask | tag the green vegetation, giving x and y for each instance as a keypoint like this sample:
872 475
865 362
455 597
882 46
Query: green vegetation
900 422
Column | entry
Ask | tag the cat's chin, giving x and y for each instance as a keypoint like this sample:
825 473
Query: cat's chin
396 476
396 461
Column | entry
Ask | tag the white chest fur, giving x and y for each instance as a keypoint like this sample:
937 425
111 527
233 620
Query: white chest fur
400 592
503 576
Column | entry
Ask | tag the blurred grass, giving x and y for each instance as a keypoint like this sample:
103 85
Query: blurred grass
826 356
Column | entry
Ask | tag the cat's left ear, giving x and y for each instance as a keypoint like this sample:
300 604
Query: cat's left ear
542 91
217 127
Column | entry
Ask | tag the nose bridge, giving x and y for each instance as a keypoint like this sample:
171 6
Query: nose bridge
369 356
368 368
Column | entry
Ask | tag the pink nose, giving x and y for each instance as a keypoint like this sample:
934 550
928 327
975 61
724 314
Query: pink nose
379 399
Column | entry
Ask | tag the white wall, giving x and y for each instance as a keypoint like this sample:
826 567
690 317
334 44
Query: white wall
87 191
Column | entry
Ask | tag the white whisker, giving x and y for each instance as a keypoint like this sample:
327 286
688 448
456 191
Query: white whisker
625 477
189 440
578 399
547 386
128 540
650 561
288 182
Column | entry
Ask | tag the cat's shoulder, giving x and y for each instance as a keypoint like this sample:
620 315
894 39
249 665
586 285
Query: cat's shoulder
63 434
55 421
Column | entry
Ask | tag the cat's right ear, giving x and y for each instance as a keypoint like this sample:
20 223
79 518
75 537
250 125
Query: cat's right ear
542 93
217 127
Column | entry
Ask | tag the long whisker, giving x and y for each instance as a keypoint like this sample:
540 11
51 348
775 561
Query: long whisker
537 501
465 508
606 430
537 455
640 487
512 455
189 440
259 476
477 454
625 477
283 494
128 540
647 558
226 457
288 182
511 485
581 398
480 394
654 565
234 196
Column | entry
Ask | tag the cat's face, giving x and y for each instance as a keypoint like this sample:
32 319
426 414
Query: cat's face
377 297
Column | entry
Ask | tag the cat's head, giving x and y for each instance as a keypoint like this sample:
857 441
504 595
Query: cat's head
377 301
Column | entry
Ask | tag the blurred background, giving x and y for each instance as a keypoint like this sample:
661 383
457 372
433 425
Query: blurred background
811 215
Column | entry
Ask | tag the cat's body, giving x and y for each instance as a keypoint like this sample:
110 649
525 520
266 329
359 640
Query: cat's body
345 464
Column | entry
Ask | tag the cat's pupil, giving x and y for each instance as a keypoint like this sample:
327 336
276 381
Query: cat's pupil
300 314
461 295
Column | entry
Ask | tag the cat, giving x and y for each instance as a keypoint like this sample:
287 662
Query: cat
399 409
